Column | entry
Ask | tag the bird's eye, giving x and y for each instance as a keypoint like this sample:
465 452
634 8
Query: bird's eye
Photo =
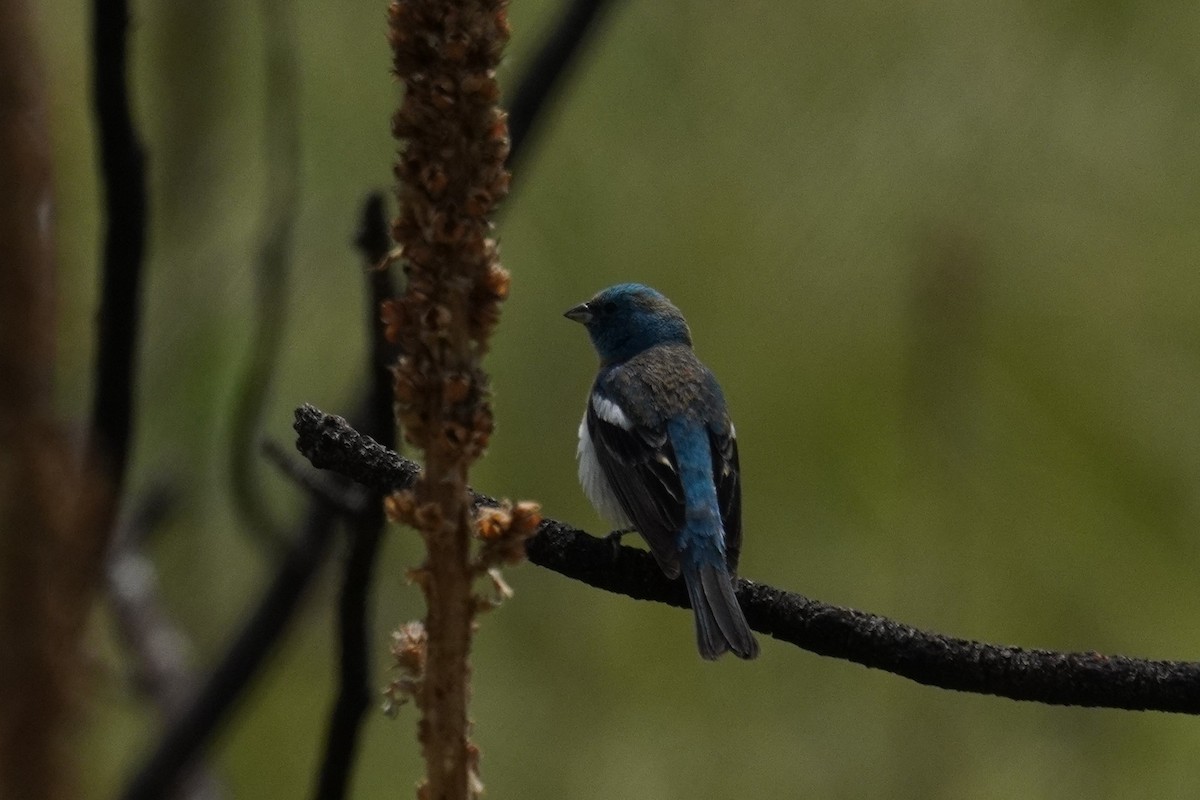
609 307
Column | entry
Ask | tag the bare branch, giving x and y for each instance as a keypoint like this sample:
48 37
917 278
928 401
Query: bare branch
365 529
192 731
933 659
550 66
124 182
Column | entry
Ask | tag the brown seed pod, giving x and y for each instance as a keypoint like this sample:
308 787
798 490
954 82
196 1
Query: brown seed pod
455 387
398 506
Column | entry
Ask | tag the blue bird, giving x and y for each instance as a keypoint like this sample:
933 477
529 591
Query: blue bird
657 453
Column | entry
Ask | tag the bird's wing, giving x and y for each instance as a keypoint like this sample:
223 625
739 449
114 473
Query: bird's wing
728 480
640 465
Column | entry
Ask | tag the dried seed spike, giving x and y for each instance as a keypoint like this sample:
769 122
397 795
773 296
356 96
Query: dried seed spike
527 516
418 577
492 523
455 434
451 174
456 387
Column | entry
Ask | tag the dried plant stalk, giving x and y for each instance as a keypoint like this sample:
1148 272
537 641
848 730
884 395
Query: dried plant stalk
47 562
454 142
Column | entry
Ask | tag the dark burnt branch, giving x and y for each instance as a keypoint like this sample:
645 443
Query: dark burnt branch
124 184
1056 678
365 529
196 725
354 654
544 76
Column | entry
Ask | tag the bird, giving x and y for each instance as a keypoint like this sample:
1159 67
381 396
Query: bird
658 454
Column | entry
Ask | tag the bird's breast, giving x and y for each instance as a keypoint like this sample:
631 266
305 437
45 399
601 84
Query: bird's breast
595 484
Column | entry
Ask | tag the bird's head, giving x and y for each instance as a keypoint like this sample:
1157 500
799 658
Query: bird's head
625 319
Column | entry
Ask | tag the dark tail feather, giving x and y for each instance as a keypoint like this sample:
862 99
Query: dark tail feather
720 624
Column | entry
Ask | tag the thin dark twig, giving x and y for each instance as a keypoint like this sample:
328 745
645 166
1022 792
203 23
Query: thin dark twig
544 76
365 529
124 184
374 243
190 733
1045 676
354 690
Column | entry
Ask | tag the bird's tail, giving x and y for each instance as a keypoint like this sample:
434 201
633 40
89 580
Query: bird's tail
720 624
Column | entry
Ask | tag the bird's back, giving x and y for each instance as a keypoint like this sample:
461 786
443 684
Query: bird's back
663 382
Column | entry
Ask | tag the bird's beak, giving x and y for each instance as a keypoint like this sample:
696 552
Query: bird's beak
580 313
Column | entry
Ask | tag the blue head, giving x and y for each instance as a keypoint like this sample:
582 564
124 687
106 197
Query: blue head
625 319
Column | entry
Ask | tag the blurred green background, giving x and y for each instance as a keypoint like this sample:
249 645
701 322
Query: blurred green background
943 258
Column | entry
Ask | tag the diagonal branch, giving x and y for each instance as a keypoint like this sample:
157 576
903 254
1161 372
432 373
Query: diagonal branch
933 659
156 646
190 733
197 724
550 65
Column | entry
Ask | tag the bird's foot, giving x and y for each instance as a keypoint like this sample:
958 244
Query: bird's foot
614 540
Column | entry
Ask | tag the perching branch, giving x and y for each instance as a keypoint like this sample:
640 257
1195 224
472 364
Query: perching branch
1045 676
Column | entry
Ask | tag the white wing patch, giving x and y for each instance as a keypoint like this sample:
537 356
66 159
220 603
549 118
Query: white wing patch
591 477
610 412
